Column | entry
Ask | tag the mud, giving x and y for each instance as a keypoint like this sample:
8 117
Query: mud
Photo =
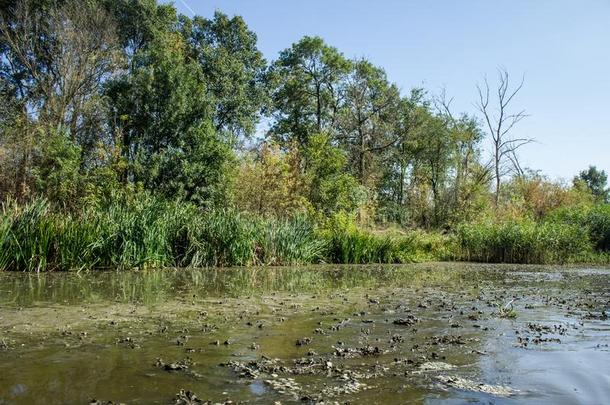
328 334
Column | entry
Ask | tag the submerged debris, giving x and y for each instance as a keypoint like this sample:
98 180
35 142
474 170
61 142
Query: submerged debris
409 320
187 398
469 385
436 366
357 351
182 365
303 341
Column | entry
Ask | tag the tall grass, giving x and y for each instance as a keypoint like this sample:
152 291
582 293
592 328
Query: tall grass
144 232
140 231
26 236
347 243
291 241
522 242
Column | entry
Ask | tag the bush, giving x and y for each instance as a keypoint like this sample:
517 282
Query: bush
596 220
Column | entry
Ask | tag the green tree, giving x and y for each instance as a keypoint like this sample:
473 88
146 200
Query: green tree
331 187
54 59
306 83
368 116
233 69
393 188
269 182
596 181
163 115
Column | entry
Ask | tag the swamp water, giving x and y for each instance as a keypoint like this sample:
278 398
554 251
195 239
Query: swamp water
426 333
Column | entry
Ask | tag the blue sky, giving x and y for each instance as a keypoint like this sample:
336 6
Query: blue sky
562 47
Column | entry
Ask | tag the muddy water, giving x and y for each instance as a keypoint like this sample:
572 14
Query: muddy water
427 333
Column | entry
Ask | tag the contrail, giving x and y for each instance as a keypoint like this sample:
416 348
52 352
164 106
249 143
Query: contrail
187 7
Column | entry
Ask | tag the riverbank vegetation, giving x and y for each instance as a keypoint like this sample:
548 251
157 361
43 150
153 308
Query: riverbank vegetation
134 137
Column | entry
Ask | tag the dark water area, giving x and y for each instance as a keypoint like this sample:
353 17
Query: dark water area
438 333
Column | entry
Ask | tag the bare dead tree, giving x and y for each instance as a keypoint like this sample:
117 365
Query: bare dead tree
500 121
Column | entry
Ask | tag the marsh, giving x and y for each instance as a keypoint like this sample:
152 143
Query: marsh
421 333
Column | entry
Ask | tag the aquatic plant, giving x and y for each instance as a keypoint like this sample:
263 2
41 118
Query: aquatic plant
141 231
346 243
506 310
521 242
145 232
291 241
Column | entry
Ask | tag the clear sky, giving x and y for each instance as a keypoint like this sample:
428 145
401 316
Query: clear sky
562 47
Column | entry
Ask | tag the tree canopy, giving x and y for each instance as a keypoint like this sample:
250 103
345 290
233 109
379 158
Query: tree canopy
103 95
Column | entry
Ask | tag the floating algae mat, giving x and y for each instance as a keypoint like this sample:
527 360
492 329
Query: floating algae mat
425 333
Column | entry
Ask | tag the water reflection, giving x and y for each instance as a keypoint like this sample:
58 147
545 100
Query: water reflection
67 337
149 287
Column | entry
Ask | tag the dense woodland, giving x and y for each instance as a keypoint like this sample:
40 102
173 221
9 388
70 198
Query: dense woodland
132 136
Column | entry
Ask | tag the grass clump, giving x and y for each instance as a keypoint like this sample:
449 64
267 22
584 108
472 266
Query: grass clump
522 241
292 241
129 231
346 243
141 231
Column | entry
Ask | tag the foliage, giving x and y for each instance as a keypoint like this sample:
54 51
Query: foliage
523 241
330 188
349 244
233 69
597 183
270 184
595 219
534 195
126 141
164 113
306 83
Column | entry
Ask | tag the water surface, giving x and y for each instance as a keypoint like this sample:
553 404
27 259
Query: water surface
425 333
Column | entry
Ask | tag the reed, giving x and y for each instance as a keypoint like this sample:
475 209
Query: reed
346 243
522 242
141 231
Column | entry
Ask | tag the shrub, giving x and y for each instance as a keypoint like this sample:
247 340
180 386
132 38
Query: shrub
595 219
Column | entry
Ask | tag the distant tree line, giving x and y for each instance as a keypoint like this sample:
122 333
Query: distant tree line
106 95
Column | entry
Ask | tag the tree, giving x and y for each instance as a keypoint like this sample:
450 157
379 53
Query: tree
469 176
596 181
55 57
269 183
368 117
500 121
330 187
306 83
233 69
163 119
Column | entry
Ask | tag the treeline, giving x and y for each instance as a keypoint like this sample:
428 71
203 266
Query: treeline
101 95
106 102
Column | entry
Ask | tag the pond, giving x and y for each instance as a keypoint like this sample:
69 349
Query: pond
424 333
